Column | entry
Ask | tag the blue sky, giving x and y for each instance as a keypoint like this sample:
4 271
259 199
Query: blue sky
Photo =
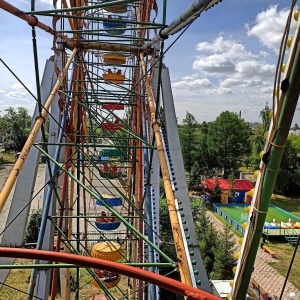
225 61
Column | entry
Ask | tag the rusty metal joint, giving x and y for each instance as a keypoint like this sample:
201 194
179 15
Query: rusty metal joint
155 123
35 22
40 117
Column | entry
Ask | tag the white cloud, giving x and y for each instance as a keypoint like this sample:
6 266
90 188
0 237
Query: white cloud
241 82
2 91
19 92
269 27
216 64
189 82
264 54
225 47
229 77
230 61
226 57
19 86
254 68
220 91
47 1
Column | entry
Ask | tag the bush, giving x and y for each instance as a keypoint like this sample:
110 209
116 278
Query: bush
33 226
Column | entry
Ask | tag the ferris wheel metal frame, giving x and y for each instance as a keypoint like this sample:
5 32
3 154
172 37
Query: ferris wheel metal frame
95 103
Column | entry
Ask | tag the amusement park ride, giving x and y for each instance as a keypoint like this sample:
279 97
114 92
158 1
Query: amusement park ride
108 147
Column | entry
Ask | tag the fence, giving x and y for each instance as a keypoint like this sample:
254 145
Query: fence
232 222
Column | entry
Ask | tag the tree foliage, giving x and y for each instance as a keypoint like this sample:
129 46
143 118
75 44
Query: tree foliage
188 139
228 141
32 230
216 193
288 178
265 116
257 145
216 247
232 192
223 259
15 128
207 238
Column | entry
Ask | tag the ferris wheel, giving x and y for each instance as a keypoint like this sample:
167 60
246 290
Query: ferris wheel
108 147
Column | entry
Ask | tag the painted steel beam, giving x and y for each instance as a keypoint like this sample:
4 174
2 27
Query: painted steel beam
90 262
19 210
186 17
181 191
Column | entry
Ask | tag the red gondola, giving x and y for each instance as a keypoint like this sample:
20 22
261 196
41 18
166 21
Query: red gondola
114 126
112 105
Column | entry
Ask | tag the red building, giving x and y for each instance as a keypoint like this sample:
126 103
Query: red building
241 186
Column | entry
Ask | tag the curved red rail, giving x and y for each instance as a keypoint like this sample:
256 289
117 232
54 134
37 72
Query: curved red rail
83 261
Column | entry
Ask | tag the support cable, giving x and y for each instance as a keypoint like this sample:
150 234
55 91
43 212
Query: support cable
290 268
24 153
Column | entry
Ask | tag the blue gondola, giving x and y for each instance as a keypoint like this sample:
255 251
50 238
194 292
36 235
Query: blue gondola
118 28
108 226
111 201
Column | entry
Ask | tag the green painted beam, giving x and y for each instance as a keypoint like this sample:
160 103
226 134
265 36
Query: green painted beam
70 266
111 209
81 8
272 160
96 145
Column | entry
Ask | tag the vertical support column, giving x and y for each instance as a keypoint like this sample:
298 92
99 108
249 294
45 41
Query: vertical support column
155 201
181 188
44 276
14 234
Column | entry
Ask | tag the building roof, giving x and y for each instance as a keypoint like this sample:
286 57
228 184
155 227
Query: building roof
239 184
222 287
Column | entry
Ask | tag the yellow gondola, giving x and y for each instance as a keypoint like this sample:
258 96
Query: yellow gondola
114 58
117 78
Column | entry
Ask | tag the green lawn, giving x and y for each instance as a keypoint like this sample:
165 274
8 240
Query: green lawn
237 213
283 250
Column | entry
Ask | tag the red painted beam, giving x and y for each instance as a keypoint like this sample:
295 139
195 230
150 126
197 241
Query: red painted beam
164 282
32 21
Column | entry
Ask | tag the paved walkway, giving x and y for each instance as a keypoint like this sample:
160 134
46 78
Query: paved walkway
263 274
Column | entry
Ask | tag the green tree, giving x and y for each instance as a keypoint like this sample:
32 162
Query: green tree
288 178
257 137
195 174
228 141
223 259
188 132
203 160
265 116
208 240
257 145
15 128
216 193
32 230
295 140
231 180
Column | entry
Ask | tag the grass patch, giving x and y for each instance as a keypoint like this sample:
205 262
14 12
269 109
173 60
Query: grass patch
246 170
209 207
284 254
18 280
17 284
8 157
289 204
283 250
